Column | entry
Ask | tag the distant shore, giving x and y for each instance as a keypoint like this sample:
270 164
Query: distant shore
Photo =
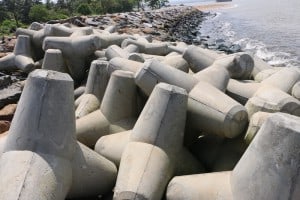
214 6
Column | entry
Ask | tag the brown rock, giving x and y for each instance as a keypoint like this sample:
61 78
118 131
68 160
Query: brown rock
4 126
7 112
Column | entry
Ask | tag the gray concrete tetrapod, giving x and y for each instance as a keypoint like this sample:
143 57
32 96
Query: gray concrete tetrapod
269 169
89 169
36 162
259 66
262 75
256 121
296 91
209 109
211 186
75 50
38 37
97 79
118 110
53 60
271 99
177 62
164 114
239 65
93 175
148 48
216 76
88 103
144 173
110 39
242 90
21 58
123 64
284 79
159 131
112 146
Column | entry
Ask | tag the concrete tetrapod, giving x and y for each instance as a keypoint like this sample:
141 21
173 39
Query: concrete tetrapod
269 169
75 50
239 65
144 173
118 63
209 109
148 48
272 99
242 90
296 90
118 110
210 186
54 60
259 66
36 163
21 58
155 142
262 75
88 104
37 37
284 79
97 79
256 121
154 127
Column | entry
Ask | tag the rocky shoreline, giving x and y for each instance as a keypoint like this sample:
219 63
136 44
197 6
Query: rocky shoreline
177 23
126 110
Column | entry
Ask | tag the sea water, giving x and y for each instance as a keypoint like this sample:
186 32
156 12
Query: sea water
269 28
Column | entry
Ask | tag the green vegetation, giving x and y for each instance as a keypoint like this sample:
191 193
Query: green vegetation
16 13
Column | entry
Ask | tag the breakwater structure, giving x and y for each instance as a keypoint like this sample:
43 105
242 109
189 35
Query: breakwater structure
108 111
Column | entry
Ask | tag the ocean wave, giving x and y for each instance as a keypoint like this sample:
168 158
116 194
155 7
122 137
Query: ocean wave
261 50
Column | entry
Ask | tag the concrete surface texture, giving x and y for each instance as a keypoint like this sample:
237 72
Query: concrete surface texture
150 120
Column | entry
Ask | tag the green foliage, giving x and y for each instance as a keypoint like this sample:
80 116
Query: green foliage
8 27
155 4
39 13
84 9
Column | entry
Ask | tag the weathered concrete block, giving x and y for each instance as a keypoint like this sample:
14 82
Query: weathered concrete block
155 128
40 144
118 110
154 72
149 48
213 112
296 90
218 77
212 186
284 79
269 169
256 121
272 99
21 58
75 50
123 64
259 66
239 65
88 103
262 75
54 60
93 175
177 62
144 172
242 91
97 79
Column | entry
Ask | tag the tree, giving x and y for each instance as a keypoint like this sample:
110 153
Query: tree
155 4
84 9
14 7
39 13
